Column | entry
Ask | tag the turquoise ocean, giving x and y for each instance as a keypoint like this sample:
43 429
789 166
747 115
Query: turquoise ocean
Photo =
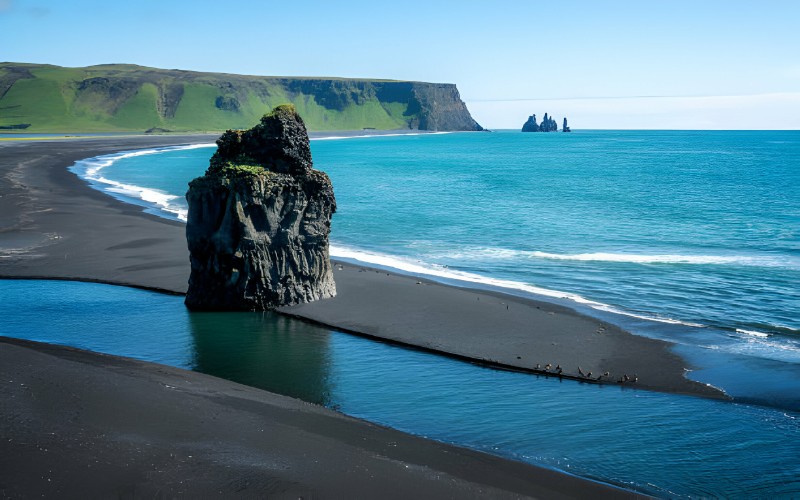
691 237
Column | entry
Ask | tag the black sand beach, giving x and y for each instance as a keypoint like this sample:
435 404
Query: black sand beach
77 424
52 225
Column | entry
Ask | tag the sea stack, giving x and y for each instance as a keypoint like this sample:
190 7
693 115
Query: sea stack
548 124
259 221
530 125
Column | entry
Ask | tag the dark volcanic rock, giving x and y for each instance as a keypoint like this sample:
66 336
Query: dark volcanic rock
530 125
279 144
169 96
107 94
227 103
566 128
259 221
548 124
441 108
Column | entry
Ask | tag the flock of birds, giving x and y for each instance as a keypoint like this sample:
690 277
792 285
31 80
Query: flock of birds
587 375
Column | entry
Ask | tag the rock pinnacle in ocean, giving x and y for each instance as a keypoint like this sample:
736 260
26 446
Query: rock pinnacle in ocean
259 220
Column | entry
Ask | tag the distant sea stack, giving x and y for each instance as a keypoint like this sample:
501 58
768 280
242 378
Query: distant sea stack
259 221
548 125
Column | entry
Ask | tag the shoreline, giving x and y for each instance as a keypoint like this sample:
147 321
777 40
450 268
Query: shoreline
125 245
115 426
289 311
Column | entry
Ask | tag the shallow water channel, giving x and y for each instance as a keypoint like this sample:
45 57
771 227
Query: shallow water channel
666 445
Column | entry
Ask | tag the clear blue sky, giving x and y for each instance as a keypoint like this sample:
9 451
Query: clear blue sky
712 63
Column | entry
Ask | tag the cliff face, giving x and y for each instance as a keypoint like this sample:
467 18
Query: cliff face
441 108
120 97
259 221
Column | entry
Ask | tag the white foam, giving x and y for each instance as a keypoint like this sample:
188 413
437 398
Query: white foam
762 345
155 197
752 333
90 169
665 258
420 268
740 260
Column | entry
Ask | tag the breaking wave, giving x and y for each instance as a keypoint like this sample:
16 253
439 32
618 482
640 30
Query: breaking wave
732 260
91 169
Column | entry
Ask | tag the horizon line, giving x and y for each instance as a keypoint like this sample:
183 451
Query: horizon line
580 98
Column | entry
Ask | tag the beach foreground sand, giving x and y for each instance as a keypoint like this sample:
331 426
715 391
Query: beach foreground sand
77 424
53 225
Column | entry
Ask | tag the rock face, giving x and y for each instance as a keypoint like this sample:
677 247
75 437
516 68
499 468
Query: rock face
259 221
565 128
548 125
440 108
530 125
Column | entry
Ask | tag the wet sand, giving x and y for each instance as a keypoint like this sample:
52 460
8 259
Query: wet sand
496 329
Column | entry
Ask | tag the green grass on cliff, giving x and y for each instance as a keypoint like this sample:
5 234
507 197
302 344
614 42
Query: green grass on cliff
57 99
140 111
354 117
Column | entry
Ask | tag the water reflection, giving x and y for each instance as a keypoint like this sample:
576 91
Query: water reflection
662 444
264 350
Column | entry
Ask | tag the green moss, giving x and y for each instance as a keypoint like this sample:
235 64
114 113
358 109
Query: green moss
237 170
283 109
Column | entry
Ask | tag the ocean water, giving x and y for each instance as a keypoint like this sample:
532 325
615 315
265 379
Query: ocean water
661 444
687 236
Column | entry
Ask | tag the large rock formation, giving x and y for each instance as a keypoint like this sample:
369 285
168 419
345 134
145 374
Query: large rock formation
548 124
259 220
530 125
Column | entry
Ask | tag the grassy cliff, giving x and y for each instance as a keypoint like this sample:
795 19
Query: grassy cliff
129 98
